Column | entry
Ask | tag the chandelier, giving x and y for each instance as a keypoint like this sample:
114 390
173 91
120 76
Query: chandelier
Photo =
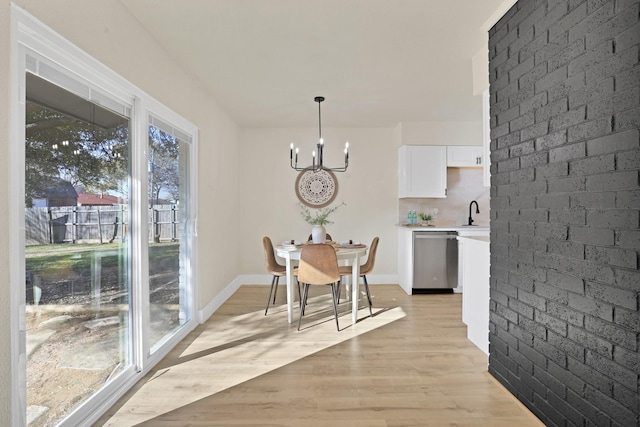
319 164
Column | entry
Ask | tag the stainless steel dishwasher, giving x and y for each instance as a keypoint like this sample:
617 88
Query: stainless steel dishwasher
435 261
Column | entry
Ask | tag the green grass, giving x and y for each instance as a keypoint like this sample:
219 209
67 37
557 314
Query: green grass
67 259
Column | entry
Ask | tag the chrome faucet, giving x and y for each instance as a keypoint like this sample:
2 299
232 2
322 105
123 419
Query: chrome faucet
477 211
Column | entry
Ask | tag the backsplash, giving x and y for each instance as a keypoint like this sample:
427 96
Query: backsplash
463 186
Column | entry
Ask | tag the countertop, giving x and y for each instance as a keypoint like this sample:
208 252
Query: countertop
458 228
484 239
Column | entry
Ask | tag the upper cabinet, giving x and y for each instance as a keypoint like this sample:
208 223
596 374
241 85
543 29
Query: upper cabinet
422 171
465 156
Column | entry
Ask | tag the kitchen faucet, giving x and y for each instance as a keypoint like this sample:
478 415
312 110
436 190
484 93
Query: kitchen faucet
477 211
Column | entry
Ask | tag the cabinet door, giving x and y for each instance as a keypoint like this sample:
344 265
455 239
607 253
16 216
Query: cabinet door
405 259
475 292
465 156
422 171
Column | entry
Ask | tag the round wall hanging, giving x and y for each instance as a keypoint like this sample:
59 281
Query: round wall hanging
316 189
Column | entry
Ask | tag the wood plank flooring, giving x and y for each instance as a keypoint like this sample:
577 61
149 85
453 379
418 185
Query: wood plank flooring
408 365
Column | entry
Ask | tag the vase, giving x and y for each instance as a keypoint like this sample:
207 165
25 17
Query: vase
318 234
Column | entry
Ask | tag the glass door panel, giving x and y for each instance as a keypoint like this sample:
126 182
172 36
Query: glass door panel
77 256
168 231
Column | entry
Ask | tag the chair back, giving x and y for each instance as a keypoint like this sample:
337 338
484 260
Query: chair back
328 237
269 257
371 260
318 265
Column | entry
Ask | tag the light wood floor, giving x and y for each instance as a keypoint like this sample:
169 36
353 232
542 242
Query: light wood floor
408 365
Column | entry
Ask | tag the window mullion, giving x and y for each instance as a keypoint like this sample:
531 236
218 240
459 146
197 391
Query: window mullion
139 236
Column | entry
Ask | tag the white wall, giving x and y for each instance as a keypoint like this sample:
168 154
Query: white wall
442 133
269 202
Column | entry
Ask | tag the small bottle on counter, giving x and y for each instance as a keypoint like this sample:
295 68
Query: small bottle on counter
412 218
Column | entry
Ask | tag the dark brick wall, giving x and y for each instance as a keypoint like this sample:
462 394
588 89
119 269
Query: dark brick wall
565 209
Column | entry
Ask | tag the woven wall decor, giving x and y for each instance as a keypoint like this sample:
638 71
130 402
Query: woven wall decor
316 189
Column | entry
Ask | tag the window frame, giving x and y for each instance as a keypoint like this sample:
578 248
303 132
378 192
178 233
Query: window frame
29 35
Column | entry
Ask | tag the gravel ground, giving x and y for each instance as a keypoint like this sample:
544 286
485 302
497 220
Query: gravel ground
73 349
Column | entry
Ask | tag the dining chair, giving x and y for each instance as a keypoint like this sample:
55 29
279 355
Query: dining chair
365 269
327 234
318 266
276 270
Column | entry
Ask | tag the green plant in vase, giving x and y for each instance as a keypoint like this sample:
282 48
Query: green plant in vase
320 217
318 220
427 218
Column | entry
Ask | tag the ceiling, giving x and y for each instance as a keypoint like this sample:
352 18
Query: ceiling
377 62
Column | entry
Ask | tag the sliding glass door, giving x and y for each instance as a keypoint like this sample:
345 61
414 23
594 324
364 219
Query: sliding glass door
77 256
104 232
168 188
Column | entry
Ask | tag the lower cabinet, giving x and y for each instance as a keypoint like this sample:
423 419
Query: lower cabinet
405 259
473 271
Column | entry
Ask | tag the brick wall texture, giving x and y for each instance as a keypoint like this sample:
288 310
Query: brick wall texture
565 209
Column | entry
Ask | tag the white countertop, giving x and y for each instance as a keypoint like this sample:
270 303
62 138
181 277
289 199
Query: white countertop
484 239
458 228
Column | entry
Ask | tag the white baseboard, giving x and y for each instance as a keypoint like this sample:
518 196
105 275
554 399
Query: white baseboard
218 300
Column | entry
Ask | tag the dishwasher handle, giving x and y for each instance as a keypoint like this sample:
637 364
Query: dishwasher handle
435 236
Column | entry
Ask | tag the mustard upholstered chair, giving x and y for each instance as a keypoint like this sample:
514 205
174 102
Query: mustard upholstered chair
318 266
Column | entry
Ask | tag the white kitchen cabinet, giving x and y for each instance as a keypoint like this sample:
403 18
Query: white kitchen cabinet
473 259
405 259
422 171
465 156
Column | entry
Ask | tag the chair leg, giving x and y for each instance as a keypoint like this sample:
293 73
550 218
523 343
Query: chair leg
338 290
335 305
299 294
275 291
366 288
303 299
273 282
305 292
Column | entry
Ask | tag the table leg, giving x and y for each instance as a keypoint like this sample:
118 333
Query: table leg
290 286
355 281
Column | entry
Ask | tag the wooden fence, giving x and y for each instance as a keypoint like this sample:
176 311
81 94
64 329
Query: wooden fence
96 224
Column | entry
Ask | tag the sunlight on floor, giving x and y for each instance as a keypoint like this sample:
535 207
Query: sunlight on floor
229 350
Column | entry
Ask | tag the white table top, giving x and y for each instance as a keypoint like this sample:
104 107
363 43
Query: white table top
341 252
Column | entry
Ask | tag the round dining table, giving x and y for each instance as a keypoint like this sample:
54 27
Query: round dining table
349 253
